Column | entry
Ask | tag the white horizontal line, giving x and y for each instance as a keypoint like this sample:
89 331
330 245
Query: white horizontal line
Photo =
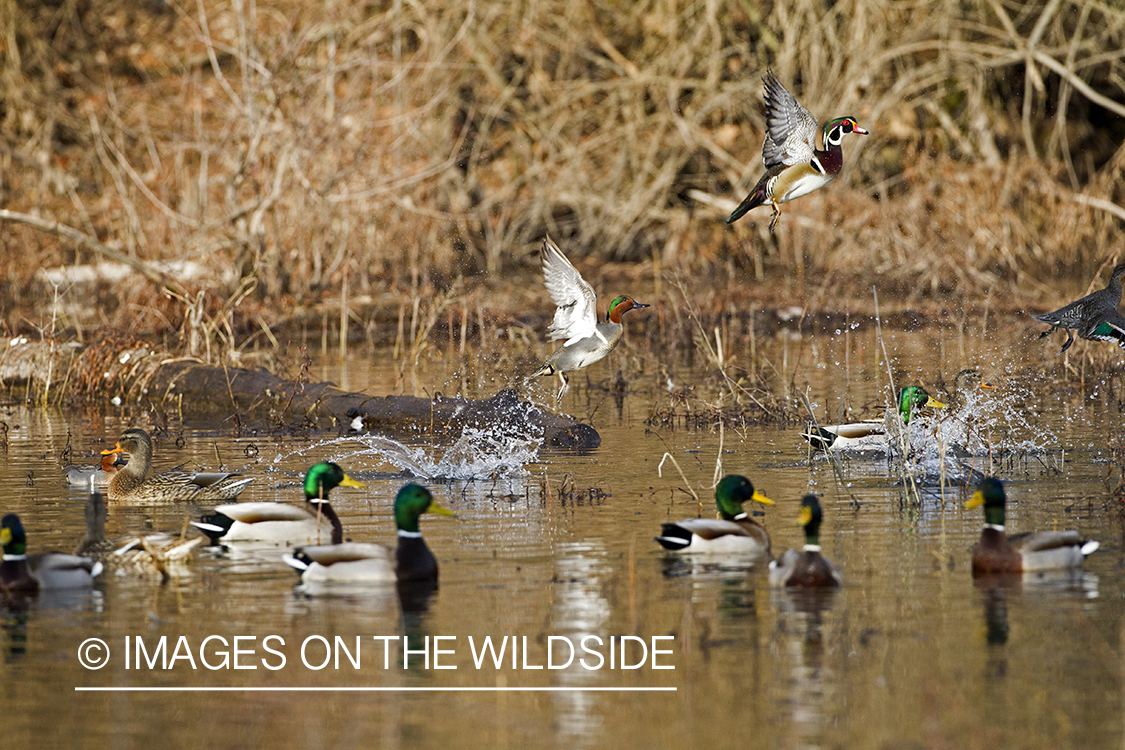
117 689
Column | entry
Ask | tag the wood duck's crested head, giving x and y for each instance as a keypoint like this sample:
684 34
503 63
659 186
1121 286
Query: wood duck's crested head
990 494
913 398
324 477
619 306
12 536
834 130
411 502
734 490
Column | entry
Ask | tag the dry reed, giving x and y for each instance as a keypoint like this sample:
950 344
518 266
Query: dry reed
288 147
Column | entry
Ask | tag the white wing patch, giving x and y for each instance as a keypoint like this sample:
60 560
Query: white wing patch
577 315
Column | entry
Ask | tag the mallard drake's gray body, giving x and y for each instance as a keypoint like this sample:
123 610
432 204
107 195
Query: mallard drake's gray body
21 573
357 562
734 532
130 483
807 568
1095 316
795 165
869 434
282 523
996 552
587 340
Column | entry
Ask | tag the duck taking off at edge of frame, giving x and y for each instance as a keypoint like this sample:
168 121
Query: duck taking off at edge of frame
1095 316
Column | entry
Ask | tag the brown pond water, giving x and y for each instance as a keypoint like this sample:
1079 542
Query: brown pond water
909 654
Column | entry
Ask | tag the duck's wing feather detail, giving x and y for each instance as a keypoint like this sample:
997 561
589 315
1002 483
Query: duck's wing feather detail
577 313
1111 327
790 128
264 511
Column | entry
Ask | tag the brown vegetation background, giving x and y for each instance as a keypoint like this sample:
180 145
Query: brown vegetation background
307 154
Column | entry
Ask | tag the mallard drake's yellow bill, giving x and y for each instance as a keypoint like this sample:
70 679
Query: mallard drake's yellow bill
759 497
933 403
349 482
976 500
440 509
805 516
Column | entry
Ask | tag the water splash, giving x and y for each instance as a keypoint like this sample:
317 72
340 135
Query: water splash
475 454
499 444
960 444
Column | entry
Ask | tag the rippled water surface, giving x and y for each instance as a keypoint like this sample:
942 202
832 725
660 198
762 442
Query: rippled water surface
909 654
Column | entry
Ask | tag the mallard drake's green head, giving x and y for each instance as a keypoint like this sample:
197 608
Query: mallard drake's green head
619 306
12 536
734 490
411 502
810 517
990 494
913 398
326 476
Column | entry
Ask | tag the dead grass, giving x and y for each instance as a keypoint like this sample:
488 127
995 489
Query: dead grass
333 153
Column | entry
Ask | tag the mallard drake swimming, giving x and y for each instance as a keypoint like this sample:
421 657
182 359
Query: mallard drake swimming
21 573
356 562
869 434
1095 316
807 568
795 166
130 483
733 532
576 319
996 552
280 522
94 476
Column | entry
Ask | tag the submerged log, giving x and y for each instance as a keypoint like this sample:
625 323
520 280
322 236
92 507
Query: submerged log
257 391
189 386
